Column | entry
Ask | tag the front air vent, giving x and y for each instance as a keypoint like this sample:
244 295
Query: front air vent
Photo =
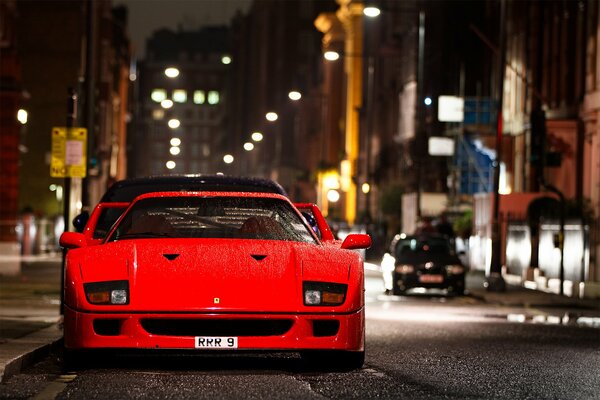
258 257
107 327
216 327
323 328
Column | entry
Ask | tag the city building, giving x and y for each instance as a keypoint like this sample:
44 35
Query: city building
46 49
277 71
183 91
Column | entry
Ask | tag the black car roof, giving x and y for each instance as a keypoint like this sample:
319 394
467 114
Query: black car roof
128 189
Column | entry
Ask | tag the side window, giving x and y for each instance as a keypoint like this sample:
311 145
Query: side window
107 218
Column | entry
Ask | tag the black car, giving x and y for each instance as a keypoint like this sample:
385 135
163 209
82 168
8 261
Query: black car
423 261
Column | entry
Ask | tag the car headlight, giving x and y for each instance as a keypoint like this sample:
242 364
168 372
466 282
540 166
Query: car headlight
324 293
110 292
455 269
405 269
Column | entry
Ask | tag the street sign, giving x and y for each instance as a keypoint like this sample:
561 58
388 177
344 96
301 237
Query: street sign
440 146
68 152
450 109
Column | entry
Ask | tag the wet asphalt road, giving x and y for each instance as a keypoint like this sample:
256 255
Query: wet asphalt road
418 347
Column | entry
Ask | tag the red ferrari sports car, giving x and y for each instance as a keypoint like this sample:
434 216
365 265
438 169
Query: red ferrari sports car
215 271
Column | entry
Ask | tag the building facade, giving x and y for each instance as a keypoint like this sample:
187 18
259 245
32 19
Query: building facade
48 52
184 87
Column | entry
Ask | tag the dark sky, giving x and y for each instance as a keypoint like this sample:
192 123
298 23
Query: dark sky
146 16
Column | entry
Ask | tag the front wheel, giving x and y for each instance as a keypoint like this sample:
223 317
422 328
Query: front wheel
335 360
72 360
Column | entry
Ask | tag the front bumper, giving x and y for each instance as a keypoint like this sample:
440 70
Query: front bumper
409 281
178 331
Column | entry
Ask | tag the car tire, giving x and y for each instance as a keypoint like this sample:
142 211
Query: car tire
333 360
72 360
398 292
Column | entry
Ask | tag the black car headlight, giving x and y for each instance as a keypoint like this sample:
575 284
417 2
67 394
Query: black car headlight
324 293
110 292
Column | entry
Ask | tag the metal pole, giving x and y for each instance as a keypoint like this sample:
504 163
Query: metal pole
89 98
495 281
71 117
420 108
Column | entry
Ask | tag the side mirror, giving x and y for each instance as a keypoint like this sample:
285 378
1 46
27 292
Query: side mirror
72 240
80 221
356 241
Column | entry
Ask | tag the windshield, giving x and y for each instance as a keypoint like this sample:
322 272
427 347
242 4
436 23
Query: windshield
212 217
418 246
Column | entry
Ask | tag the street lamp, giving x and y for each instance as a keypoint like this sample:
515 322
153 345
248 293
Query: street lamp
271 116
371 11
257 136
331 55
294 95
172 72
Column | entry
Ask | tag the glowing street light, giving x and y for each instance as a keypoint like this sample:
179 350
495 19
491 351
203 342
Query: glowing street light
366 188
257 136
174 123
172 72
271 116
226 60
294 95
174 150
371 11
248 146
22 116
333 195
228 158
171 164
331 55
175 141
166 103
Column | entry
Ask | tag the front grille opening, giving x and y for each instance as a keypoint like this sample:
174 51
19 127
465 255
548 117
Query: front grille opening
326 328
217 327
107 327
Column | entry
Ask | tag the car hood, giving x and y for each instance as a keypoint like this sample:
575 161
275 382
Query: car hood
213 274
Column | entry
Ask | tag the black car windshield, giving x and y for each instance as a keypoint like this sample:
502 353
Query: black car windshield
423 246
213 217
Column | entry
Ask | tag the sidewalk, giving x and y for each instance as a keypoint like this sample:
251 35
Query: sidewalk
30 323
29 310
528 298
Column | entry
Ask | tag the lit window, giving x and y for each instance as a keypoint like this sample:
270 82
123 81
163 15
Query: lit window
158 95
213 97
199 97
179 96
158 114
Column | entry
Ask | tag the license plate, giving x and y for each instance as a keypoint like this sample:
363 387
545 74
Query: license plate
431 278
216 342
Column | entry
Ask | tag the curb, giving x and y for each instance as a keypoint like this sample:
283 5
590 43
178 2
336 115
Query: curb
17 354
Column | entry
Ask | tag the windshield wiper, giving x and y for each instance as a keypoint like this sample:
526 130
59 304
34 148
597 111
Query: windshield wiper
142 235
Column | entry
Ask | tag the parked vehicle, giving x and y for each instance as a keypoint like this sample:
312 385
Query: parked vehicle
215 270
422 261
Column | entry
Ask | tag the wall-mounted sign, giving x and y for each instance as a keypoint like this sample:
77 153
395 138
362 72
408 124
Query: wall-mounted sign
69 158
441 146
451 109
